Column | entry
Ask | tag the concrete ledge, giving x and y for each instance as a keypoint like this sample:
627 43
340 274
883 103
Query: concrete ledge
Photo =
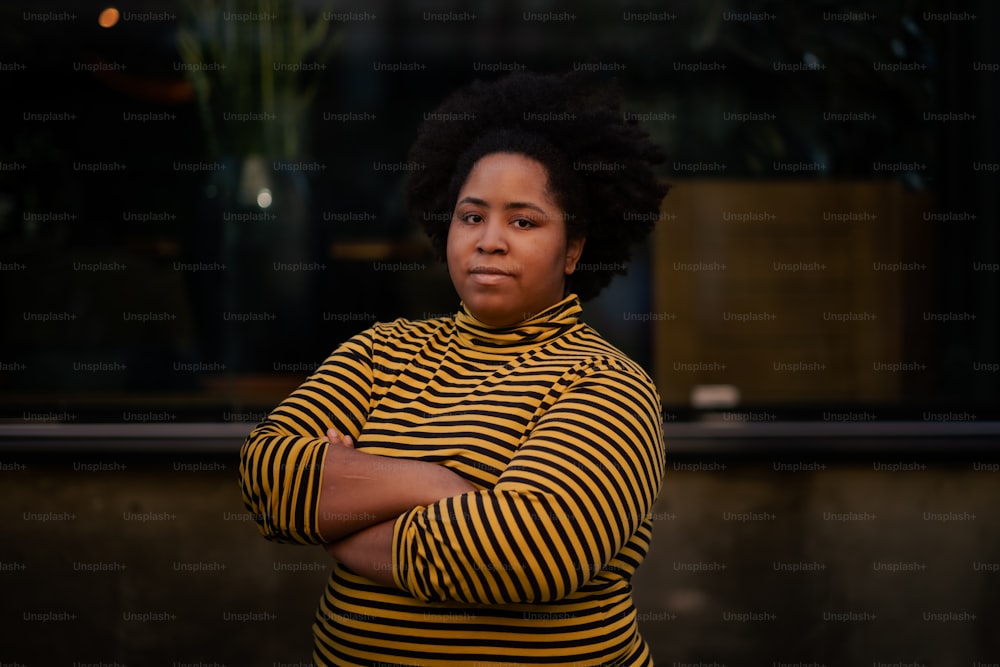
682 438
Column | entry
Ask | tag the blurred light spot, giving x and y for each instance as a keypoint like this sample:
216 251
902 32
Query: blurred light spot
108 18
708 396
264 198
687 601
898 48
913 181
811 59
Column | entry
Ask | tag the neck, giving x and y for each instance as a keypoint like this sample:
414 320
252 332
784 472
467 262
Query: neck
552 322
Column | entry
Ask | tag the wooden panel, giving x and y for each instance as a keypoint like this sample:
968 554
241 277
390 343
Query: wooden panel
782 289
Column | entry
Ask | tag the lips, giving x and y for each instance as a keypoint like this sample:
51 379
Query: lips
489 270
489 276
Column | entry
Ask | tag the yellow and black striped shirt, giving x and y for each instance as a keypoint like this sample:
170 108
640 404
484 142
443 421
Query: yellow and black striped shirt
559 431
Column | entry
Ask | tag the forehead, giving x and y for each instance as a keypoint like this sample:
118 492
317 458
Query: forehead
509 167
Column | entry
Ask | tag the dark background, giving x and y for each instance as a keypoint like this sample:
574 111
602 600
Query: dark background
196 365
123 540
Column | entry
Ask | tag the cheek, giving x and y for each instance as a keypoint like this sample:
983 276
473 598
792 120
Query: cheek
555 254
453 246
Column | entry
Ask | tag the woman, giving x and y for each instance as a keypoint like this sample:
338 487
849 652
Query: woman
484 480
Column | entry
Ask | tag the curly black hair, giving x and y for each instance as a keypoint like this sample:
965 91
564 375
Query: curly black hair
600 164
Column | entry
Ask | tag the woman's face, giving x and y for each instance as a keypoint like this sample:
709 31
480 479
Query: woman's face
508 254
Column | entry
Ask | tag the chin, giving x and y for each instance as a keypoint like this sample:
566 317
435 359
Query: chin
492 309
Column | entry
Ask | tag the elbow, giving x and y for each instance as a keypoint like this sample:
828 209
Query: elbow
280 496
256 501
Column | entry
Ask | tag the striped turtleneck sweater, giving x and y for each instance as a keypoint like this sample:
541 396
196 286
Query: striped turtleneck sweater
560 433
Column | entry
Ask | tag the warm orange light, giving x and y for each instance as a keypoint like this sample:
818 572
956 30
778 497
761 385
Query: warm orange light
108 18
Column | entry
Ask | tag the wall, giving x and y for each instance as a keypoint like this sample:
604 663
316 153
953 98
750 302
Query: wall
150 559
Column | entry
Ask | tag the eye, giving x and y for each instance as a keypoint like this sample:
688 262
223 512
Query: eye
471 217
523 223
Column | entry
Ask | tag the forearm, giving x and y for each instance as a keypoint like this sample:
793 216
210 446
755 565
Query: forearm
499 546
368 552
359 490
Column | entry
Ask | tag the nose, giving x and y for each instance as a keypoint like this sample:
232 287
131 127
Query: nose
492 237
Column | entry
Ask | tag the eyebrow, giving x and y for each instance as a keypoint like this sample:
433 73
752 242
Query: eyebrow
509 206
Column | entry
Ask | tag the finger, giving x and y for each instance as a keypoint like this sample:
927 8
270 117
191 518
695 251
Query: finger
335 437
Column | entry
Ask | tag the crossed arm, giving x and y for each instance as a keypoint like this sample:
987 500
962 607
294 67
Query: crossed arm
365 494
568 502
571 498
360 490
305 488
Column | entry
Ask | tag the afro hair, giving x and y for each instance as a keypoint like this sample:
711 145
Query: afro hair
600 164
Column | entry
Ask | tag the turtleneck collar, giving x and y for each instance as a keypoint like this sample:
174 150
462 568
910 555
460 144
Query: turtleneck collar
552 322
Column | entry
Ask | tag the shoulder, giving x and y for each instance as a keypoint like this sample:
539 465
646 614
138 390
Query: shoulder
397 334
406 329
594 362
403 335
597 354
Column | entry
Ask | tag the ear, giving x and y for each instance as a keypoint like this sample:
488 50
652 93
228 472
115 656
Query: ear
574 248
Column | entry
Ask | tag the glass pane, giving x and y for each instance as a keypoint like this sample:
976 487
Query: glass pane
197 204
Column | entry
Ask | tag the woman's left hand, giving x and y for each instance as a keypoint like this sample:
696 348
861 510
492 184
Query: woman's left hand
335 438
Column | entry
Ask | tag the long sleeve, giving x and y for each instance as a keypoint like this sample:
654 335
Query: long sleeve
281 461
575 492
